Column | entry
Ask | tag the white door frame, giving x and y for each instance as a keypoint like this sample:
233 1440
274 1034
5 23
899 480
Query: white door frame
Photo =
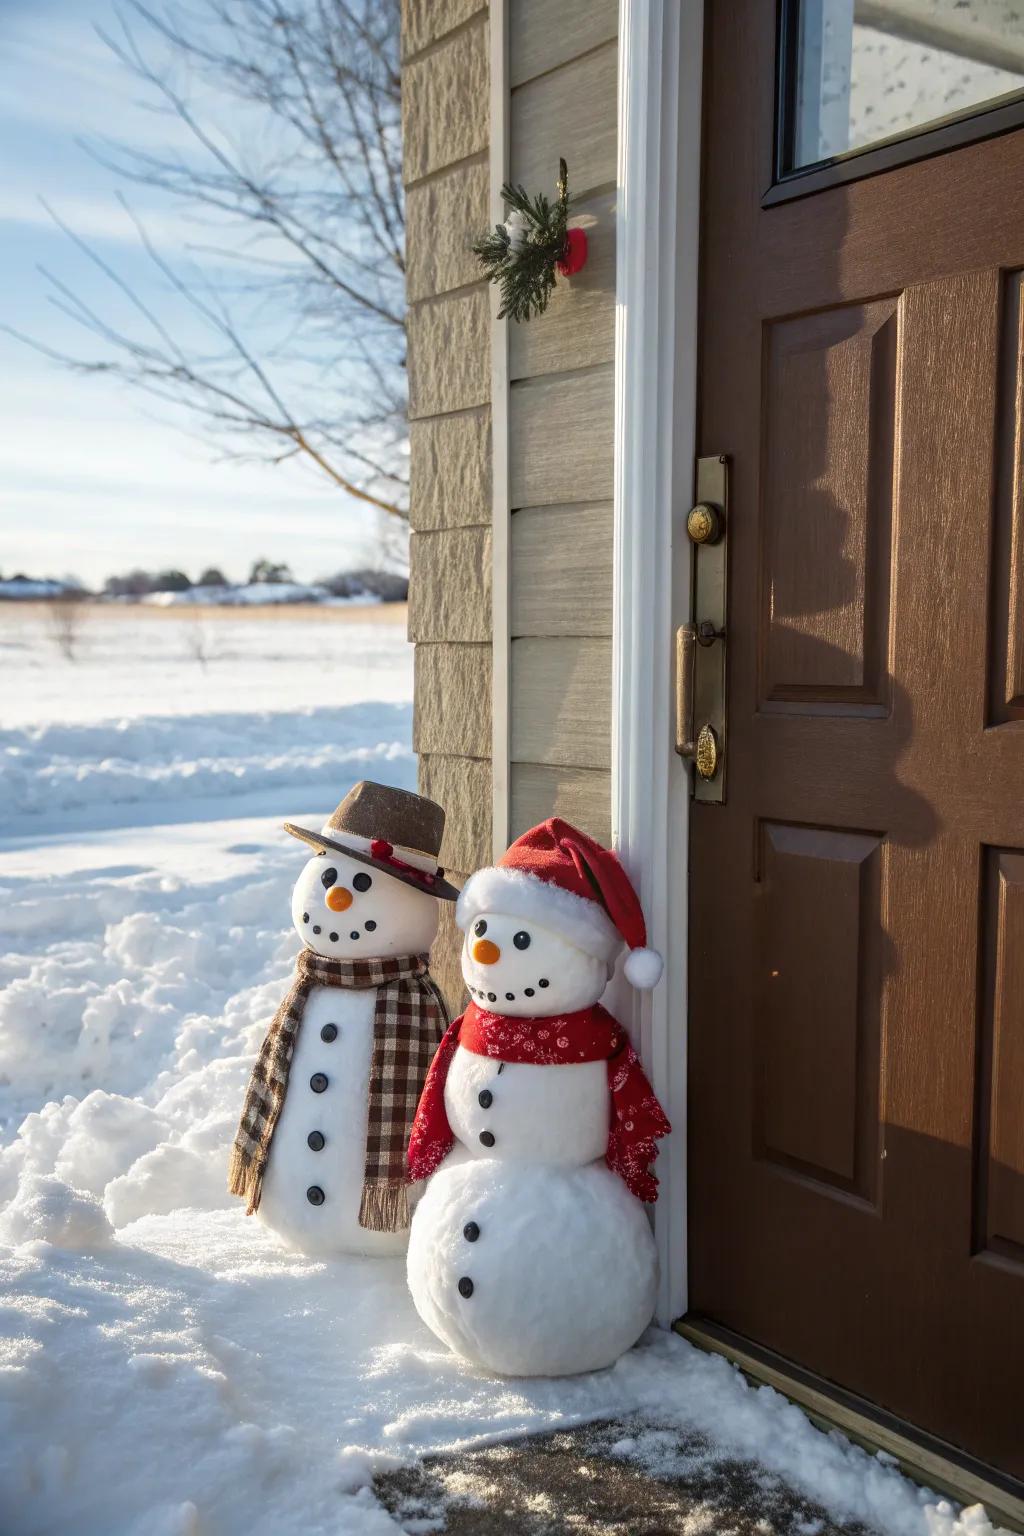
658 204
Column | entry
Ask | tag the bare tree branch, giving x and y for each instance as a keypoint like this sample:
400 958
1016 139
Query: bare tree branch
283 334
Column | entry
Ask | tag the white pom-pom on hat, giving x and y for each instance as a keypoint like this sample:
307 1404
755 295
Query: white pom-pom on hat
643 968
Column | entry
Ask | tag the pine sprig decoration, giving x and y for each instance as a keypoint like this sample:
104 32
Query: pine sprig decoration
523 254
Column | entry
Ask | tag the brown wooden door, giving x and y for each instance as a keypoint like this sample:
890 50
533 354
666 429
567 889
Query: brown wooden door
856 1117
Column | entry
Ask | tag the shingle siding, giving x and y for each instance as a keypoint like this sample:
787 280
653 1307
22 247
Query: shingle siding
445 118
563 69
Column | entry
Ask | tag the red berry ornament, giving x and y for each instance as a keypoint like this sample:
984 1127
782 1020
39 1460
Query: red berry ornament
574 253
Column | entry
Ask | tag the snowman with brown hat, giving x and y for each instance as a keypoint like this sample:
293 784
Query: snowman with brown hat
320 1148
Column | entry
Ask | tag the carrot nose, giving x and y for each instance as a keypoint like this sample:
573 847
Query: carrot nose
486 952
338 899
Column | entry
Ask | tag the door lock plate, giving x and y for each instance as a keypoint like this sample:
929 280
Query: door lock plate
701 660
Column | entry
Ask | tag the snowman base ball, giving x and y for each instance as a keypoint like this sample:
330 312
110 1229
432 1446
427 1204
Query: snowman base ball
552 1273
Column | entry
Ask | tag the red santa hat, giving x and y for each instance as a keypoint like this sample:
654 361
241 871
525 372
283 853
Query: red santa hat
561 879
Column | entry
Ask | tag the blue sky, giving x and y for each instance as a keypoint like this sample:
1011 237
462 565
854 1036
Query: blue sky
93 477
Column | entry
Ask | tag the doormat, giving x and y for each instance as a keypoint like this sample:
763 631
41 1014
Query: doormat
626 1477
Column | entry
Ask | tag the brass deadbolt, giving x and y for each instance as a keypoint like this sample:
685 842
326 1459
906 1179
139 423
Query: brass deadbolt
704 523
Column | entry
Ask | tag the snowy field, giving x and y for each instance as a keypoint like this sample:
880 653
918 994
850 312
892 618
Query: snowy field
165 1368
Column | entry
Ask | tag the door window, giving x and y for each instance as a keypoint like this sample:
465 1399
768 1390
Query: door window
858 74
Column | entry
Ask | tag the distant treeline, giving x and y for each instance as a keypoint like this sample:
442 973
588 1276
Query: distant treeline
386 586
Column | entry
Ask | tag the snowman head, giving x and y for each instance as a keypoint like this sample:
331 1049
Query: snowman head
375 883
543 926
347 911
520 968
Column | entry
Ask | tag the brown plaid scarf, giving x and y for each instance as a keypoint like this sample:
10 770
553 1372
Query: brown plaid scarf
409 1020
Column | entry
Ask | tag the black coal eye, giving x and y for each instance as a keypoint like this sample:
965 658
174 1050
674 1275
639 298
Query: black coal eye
329 876
480 928
361 883
521 940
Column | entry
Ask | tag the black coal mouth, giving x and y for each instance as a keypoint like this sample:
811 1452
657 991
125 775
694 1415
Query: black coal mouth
483 996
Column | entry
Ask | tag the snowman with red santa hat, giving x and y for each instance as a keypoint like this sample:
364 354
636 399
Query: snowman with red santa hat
530 1252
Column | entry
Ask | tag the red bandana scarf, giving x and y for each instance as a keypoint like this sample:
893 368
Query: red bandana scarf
637 1119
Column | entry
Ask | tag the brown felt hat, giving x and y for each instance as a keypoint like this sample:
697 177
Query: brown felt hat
392 830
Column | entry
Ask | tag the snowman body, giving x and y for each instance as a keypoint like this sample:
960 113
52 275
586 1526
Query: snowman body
561 1261
320 1138
313 1183
527 1254
556 1116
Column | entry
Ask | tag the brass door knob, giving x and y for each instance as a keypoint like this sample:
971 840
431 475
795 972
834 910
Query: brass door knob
704 523
706 755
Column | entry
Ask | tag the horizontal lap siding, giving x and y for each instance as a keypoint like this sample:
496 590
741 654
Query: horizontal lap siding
561 702
569 112
579 795
445 117
563 66
544 36
562 570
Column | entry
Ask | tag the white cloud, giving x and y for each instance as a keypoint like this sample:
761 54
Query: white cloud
101 217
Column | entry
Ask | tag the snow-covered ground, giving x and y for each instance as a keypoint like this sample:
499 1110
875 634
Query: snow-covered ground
256 594
165 1368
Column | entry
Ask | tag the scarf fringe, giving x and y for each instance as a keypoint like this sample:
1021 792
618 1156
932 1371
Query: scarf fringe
384 1207
245 1179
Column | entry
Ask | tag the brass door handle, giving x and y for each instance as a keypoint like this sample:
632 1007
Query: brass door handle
703 750
686 649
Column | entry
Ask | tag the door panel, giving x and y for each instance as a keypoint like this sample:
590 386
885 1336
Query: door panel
999 1216
1007 669
857 906
816 1090
828 410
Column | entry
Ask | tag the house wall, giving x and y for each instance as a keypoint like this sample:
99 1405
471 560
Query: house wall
562 69
445 111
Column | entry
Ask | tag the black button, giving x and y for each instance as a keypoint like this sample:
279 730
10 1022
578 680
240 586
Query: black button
315 1195
487 1137
485 1098
315 1141
465 1285
318 1082
329 1032
471 1231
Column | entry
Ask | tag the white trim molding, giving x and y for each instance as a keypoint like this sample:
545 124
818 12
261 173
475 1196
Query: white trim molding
660 45
500 503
